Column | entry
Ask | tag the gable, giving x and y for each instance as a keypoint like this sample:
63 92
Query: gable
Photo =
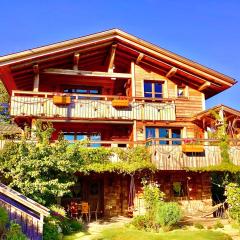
94 52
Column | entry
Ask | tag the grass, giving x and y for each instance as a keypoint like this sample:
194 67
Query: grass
132 234
75 236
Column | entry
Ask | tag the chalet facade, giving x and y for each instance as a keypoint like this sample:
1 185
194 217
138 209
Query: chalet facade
118 91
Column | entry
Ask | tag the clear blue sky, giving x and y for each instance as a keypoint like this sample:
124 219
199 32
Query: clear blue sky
206 31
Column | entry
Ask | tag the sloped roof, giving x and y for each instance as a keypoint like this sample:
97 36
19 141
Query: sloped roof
18 197
9 129
129 49
217 108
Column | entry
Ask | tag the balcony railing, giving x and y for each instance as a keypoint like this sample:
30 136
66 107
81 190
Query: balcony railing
175 157
41 104
204 153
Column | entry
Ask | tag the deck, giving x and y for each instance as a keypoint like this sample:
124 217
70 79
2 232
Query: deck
41 104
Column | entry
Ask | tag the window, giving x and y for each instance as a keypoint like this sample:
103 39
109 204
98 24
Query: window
95 137
153 89
82 90
180 91
162 132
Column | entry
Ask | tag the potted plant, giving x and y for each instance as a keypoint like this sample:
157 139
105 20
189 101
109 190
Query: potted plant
191 145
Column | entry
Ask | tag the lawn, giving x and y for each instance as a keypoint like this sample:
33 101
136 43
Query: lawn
131 234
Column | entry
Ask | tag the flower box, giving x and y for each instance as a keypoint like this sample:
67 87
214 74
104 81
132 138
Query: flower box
120 103
61 100
192 148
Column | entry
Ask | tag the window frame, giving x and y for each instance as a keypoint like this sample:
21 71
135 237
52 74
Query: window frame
153 92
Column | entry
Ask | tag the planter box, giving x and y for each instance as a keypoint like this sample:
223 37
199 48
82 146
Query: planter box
61 100
192 148
120 103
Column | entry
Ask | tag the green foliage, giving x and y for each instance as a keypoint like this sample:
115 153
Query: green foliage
15 232
4 219
58 210
152 197
51 231
4 98
70 226
39 171
198 226
168 214
218 224
233 199
141 222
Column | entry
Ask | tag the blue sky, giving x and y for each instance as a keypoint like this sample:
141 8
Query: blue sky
204 31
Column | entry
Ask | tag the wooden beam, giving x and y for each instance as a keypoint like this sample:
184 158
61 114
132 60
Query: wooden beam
86 73
204 86
7 79
111 58
36 78
139 58
171 72
133 79
76 61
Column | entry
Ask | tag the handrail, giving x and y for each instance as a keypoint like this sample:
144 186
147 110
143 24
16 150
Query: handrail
94 96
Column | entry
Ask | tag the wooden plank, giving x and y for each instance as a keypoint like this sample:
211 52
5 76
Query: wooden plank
111 58
36 78
139 58
204 86
86 73
76 61
171 72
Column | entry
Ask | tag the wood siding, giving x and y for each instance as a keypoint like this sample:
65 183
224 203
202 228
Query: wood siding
91 109
191 104
171 157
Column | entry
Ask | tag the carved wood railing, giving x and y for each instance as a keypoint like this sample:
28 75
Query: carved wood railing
41 104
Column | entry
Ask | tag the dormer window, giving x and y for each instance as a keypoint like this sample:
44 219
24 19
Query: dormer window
153 89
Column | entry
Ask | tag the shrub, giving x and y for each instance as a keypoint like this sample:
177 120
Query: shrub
218 224
51 231
75 225
15 232
58 209
4 219
198 226
140 222
168 214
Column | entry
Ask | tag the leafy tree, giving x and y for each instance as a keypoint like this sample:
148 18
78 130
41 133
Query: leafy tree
40 171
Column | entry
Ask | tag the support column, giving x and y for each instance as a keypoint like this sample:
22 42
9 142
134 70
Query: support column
36 78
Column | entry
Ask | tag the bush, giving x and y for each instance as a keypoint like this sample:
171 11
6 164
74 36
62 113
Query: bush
4 219
140 222
217 225
70 225
198 226
58 210
51 231
15 232
168 214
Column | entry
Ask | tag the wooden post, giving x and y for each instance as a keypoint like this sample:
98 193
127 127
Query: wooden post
76 61
133 79
36 78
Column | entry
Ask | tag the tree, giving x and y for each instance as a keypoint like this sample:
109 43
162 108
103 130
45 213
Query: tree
40 171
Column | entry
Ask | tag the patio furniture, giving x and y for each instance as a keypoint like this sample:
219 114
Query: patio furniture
95 210
85 211
74 210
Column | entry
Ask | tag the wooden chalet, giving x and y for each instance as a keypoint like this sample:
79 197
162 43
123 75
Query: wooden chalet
117 91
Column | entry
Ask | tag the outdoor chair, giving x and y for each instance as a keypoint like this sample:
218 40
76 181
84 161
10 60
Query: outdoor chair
94 211
85 211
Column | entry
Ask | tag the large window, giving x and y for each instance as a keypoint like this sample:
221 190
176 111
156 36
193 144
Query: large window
93 137
161 132
152 89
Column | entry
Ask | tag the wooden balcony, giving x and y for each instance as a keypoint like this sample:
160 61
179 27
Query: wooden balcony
174 157
41 104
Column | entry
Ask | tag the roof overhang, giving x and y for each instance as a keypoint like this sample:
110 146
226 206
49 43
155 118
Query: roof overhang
129 47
